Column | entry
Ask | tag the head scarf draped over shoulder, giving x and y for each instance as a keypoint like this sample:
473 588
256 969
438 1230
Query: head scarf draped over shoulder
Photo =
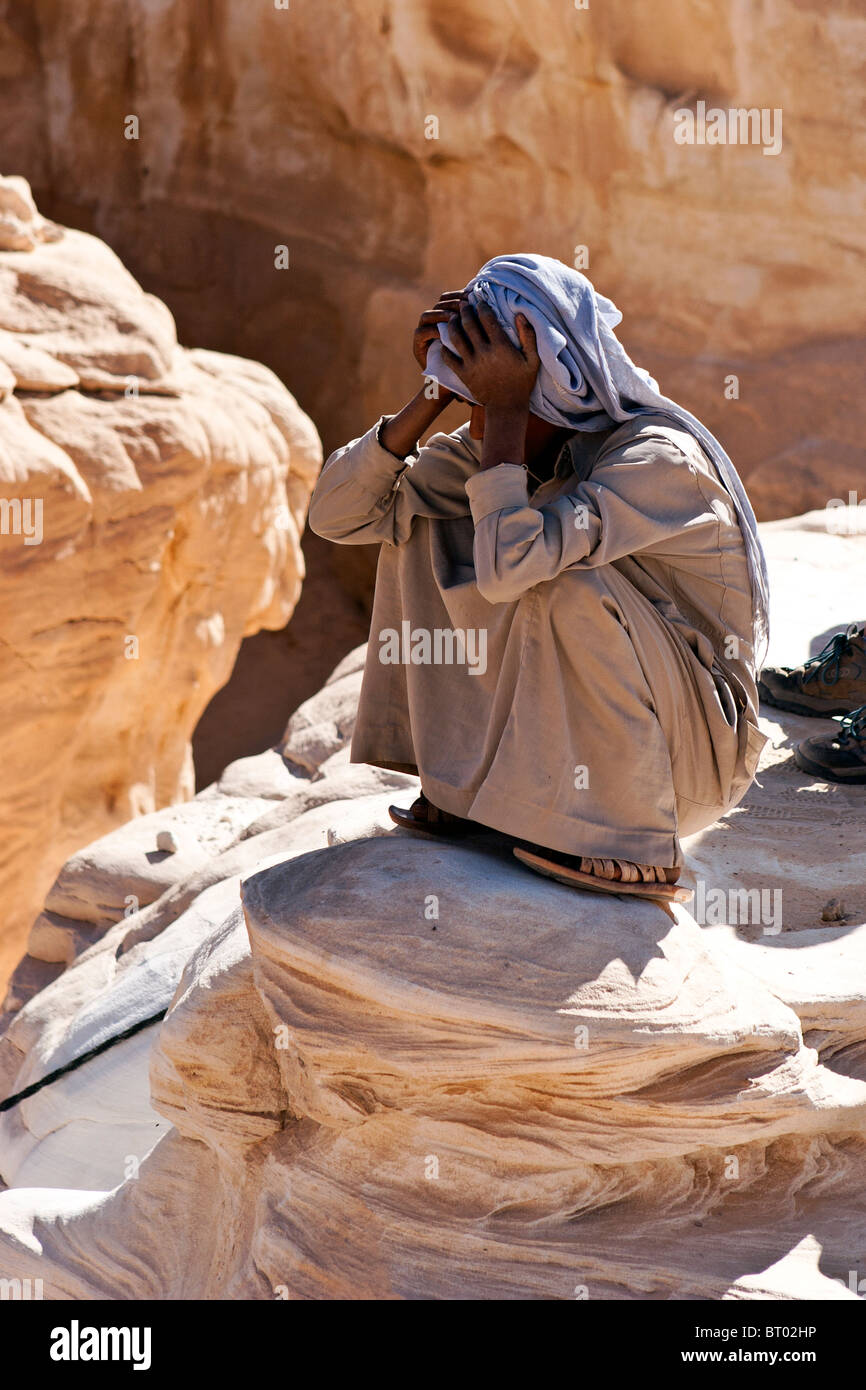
587 381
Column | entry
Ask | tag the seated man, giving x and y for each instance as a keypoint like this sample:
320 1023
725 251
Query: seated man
594 541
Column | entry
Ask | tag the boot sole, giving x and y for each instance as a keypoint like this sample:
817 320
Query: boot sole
806 764
793 707
575 878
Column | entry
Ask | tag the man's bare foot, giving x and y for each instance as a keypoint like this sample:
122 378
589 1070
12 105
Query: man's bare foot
425 818
604 875
623 870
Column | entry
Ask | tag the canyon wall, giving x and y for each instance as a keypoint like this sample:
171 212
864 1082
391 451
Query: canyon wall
392 148
152 504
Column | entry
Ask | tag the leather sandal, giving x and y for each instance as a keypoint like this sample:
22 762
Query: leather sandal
422 817
598 875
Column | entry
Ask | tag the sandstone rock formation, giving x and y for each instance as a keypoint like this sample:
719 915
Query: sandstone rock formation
151 502
394 148
396 1068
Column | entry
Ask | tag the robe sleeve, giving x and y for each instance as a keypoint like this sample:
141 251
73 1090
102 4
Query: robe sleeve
644 496
366 494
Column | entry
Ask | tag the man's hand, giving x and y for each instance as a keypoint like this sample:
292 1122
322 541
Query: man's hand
427 330
498 374
400 434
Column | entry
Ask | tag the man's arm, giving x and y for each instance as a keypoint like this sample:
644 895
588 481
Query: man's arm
401 432
646 496
355 498
360 497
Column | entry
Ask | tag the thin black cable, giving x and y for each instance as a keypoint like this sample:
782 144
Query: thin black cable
79 1061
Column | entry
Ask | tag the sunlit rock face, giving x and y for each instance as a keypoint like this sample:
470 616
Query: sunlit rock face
396 1067
152 501
391 149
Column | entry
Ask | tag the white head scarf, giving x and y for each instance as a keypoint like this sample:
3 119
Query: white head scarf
587 381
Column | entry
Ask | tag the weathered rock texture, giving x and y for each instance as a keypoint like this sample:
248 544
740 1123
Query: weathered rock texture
260 127
397 1068
152 503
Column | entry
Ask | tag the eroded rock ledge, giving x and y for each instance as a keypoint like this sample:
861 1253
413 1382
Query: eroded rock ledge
394 1068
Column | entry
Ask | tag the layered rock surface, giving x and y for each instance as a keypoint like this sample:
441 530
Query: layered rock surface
394 148
152 504
398 1068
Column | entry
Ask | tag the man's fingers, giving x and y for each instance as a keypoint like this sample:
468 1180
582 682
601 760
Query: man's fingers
492 327
426 335
453 361
434 316
459 337
472 327
427 331
526 334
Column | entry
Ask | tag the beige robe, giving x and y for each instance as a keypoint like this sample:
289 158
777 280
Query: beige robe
617 710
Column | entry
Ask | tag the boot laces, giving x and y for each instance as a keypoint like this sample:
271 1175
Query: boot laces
853 726
828 662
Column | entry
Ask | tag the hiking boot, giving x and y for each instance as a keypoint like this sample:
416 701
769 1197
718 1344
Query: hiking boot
833 682
840 756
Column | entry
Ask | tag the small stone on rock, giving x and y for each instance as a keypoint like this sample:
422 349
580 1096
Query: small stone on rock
833 910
